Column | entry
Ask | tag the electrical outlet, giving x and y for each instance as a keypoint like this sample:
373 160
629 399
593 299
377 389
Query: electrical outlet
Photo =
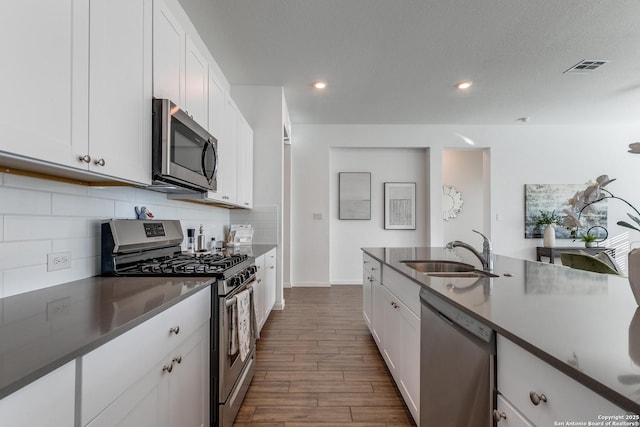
58 261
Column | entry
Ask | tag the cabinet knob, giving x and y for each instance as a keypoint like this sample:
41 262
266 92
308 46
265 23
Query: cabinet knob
99 162
174 330
177 359
537 398
497 415
394 305
86 158
373 269
272 267
168 367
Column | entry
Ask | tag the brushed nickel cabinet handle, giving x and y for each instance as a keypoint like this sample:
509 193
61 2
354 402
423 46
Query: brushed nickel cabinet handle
168 368
177 359
537 398
99 162
86 158
174 330
497 415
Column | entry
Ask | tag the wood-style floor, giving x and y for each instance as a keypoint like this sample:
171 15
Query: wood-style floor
318 366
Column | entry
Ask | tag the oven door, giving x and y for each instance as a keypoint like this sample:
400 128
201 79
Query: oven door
184 153
231 366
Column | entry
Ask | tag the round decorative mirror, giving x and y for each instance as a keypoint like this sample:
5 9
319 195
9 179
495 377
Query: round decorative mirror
451 202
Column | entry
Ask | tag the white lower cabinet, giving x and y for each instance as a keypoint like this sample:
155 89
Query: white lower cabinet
270 281
543 395
395 326
265 291
371 273
174 393
46 402
155 374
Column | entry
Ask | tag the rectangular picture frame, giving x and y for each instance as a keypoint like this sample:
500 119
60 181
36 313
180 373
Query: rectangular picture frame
400 205
354 199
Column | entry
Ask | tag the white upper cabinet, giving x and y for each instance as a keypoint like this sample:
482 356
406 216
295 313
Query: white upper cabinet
244 176
168 55
77 92
120 89
217 99
228 150
44 85
196 83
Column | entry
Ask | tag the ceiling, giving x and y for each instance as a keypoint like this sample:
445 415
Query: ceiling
397 61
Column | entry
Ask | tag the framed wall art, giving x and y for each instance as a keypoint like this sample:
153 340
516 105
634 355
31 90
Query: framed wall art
354 189
555 198
400 205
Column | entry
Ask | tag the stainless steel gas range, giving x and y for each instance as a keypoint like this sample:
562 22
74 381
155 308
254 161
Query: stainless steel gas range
152 248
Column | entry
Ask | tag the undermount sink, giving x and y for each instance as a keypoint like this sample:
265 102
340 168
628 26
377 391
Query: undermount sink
447 269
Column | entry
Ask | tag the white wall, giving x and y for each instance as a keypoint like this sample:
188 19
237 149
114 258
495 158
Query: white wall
519 155
39 216
464 170
349 236
264 108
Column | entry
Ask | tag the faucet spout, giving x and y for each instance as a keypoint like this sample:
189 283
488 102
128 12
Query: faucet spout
486 257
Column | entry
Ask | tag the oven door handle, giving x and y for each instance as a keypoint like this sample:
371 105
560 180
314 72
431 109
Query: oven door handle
232 300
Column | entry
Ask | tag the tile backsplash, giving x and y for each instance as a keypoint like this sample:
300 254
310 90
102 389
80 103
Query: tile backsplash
39 216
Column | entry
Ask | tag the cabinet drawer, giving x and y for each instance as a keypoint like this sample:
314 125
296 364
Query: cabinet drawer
113 367
521 373
509 416
404 288
371 267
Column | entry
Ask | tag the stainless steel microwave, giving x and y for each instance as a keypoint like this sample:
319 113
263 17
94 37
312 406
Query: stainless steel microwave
184 154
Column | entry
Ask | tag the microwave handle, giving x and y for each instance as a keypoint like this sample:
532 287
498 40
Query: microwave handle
206 147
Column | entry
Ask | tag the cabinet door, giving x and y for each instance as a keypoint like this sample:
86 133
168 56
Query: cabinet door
410 360
270 282
227 147
259 291
44 85
217 99
188 382
143 404
120 88
245 164
168 55
196 82
392 342
378 319
46 402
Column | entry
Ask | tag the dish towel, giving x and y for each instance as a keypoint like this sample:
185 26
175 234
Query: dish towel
243 302
254 312
233 329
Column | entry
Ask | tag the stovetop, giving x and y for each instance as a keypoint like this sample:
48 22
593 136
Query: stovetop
215 265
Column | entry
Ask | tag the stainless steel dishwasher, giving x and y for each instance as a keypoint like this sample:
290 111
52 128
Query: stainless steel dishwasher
457 366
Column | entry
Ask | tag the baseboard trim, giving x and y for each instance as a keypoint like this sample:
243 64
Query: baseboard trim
310 285
346 282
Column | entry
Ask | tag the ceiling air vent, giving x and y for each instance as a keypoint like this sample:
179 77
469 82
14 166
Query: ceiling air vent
586 66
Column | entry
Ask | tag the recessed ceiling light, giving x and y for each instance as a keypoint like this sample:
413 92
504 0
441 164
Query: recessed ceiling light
319 84
464 85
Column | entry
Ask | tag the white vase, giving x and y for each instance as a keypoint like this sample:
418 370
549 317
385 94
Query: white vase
549 239
634 273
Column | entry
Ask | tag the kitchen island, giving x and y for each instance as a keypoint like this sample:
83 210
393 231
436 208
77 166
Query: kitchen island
585 325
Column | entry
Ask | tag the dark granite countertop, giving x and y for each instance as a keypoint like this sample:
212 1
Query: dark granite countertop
42 330
586 325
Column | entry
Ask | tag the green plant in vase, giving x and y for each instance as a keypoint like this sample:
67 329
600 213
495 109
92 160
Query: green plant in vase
588 239
546 221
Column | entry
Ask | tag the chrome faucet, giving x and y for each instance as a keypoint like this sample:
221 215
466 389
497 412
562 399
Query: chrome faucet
486 257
